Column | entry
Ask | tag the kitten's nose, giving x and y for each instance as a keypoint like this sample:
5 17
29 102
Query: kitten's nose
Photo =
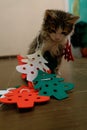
58 36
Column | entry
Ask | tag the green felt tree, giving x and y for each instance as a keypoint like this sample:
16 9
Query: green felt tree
50 85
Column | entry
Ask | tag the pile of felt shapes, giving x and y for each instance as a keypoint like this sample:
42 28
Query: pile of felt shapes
41 84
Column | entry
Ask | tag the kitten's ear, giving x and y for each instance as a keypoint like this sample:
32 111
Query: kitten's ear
73 19
49 13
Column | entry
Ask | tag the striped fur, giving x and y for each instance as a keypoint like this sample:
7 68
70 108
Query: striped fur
54 22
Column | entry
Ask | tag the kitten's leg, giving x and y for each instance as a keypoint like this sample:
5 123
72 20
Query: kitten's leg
59 59
58 73
57 69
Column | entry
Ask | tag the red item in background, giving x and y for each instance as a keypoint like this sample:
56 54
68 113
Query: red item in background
84 52
67 52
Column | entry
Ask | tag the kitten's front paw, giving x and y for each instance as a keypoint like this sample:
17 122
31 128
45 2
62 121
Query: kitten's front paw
59 74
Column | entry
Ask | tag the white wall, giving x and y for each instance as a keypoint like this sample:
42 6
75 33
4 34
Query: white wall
20 21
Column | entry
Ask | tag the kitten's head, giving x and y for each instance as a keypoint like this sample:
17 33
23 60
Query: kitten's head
58 24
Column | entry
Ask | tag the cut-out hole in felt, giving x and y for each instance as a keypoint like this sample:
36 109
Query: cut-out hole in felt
19 96
44 92
32 72
33 58
40 62
55 84
9 99
38 97
54 90
24 68
38 55
40 88
46 85
30 95
26 99
31 64
37 68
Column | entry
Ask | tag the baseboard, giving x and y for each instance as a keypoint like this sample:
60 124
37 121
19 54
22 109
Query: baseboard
8 56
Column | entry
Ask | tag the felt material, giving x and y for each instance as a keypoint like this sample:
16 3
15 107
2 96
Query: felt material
23 97
50 85
34 63
53 62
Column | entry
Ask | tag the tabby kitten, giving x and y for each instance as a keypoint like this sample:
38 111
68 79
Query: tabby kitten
57 26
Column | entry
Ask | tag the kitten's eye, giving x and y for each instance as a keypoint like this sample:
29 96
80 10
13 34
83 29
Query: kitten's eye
52 31
64 33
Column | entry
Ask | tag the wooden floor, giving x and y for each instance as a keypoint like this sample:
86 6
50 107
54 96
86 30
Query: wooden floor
67 114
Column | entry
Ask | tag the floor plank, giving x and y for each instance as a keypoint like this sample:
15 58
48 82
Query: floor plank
67 114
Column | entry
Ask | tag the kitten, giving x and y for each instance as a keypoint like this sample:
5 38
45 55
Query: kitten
57 26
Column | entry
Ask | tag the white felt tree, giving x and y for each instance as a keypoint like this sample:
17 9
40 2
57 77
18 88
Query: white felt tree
33 63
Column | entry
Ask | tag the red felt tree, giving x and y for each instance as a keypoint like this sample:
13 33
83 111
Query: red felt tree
67 52
23 97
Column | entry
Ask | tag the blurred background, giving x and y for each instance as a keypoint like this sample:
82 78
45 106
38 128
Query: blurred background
79 38
20 21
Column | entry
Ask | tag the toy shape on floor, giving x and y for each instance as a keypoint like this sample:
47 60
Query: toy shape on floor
38 61
50 85
23 97
43 79
34 63
41 83
67 52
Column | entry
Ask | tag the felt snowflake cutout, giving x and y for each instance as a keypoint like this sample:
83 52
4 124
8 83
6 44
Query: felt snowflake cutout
50 85
23 97
34 63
